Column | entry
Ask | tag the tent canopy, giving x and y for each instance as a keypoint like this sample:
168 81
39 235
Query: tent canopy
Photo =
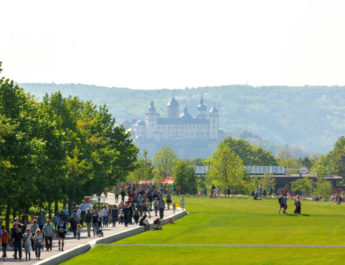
145 182
168 180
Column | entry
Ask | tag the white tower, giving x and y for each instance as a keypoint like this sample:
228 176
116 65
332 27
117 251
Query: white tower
201 109
151 121
214 123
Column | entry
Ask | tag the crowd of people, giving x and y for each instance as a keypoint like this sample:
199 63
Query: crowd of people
133 206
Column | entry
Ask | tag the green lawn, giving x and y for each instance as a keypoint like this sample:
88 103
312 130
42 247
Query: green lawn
235 221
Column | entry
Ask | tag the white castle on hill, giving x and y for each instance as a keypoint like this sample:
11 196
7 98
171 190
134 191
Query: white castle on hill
178 126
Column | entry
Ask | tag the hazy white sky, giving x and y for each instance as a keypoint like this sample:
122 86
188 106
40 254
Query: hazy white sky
174 44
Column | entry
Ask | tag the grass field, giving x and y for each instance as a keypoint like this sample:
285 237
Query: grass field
235 221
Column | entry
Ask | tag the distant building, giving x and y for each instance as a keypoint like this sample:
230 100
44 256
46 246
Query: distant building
179 130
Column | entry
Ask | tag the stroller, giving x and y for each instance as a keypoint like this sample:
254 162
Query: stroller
156 224
99 230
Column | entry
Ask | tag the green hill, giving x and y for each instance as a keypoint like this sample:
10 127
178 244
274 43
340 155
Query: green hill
309 117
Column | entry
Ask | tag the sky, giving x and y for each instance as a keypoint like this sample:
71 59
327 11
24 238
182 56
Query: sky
174 44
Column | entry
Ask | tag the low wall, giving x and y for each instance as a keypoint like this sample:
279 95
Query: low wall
66 255
71 253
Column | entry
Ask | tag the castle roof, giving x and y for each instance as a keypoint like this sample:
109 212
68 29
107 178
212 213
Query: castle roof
173 102
213 110
152 107
201 106
185 115
141 123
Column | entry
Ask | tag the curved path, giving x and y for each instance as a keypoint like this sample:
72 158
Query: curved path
71 242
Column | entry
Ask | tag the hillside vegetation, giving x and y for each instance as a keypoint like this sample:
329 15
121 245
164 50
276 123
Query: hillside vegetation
309 117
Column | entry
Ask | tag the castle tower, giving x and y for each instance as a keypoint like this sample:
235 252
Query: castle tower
151 118
214 123
172 107
201 109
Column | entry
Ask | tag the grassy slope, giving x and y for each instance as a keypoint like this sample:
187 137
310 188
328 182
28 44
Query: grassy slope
236 221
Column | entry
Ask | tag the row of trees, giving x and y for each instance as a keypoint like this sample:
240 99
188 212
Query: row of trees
57 150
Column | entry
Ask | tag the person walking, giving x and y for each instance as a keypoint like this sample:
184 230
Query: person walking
88 219
161 208
48 233
38 239
95 223
228 191
182 202
41 220
105 216
169 201
27 243
16 235
4 241
114 215
61 232
156 205
298 205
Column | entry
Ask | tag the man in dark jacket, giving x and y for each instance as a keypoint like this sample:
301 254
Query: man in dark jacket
88 219
161 208
16 235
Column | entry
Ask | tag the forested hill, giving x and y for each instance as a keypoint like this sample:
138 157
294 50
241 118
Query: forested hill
310 117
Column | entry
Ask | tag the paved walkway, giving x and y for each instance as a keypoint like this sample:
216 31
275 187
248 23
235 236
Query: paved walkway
71 242
227 245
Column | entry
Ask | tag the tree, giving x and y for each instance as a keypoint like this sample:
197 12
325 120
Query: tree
144 169
323 188
184 175
226 169
337 156
302 186
164 162
268 182
250 155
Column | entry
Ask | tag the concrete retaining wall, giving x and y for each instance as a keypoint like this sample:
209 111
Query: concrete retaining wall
71 253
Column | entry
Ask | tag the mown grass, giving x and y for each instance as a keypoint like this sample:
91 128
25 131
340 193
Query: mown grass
235 221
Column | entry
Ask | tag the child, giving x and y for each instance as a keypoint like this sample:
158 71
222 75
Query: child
38 238
78 231
27 243
174 207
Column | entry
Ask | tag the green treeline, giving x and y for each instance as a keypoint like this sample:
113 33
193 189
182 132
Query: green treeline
57 150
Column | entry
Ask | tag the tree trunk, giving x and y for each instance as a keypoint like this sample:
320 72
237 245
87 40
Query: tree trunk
7 217
50 210
56 207
14 213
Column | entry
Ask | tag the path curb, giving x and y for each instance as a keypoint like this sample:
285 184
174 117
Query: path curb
71 253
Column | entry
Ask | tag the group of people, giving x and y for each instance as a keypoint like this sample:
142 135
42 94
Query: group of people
261 192
132 206
282 200
30 236
215 192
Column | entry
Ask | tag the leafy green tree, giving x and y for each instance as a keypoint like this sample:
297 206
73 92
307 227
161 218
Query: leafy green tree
323 188
268 182
164 162
144 169
184 175
226 169
337 157
250 155
302 186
